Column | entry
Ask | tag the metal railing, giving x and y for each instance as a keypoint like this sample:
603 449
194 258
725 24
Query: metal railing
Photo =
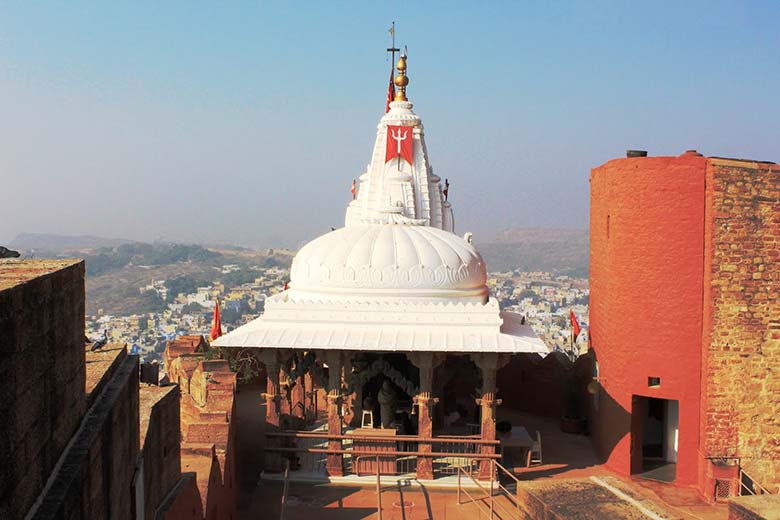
460 454
746 484
285 489
378 491
487 504
749 486
398 454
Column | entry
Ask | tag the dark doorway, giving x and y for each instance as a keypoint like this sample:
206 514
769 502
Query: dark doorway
655 432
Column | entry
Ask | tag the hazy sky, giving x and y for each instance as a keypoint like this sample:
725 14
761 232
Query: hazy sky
246 122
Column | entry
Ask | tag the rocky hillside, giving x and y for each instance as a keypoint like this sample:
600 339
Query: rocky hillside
563 251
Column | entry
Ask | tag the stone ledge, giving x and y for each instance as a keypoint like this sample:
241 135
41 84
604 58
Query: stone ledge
757 507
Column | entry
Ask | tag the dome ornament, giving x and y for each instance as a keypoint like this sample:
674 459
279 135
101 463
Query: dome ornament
401 80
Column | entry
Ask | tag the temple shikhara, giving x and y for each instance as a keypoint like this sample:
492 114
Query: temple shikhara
393 307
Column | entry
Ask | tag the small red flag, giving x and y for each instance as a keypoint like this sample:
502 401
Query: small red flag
390 91
216 324
575 326
354 189
399 143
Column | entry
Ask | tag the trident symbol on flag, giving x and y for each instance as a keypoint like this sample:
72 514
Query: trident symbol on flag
399 138
399 144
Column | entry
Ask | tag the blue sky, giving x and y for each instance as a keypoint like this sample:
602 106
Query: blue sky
192 121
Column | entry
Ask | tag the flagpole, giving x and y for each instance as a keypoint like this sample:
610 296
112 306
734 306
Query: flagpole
572 319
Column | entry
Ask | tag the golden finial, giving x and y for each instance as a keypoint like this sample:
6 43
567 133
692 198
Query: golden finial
401 80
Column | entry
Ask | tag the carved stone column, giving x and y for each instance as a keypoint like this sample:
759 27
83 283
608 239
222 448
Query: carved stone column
426 362
334 464
284 394
310 398
270 358
489 363
298 396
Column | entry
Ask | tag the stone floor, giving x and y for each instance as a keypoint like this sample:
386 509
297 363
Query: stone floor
568 467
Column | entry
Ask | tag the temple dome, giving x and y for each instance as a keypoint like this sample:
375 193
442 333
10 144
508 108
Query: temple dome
389 261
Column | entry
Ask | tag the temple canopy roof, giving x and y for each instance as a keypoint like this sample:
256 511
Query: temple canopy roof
395 277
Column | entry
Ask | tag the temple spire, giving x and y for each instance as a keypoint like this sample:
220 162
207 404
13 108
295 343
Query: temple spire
399 186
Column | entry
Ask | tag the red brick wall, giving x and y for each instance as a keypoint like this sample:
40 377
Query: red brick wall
646 232
42 373
741 349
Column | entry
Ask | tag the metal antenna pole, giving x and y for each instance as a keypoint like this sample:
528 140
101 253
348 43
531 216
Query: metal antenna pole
392 50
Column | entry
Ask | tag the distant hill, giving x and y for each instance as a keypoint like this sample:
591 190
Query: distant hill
62 243
562 251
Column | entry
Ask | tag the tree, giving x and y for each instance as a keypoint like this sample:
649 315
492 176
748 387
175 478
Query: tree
193 308
241 361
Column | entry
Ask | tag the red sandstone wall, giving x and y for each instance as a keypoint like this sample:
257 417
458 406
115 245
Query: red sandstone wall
207 427
184 503
741 350
646 232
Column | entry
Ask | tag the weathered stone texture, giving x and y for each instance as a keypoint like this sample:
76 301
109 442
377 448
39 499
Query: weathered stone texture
96 476
159 439
42 370
207 431
183 503
761 507
741 415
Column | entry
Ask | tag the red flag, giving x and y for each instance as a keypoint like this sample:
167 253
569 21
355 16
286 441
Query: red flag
390 91
216 324
354 189
575 326
399 143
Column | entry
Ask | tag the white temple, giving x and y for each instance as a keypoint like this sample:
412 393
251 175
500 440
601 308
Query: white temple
395 278
392 298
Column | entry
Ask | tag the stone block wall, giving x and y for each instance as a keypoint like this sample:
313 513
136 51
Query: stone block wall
42 372
741 349
95 479
183 503
207 425
758 507
160 440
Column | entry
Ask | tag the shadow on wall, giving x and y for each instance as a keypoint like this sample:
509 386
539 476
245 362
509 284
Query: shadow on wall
553 387
609 421
550 386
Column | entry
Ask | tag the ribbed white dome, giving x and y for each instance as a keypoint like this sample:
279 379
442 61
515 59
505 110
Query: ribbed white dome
390 260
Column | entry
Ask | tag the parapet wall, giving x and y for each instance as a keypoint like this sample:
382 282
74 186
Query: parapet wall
160 440
42 371
207 422
95 478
